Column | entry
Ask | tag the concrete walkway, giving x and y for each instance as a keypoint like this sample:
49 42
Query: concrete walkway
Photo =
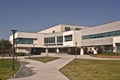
50 70
46 71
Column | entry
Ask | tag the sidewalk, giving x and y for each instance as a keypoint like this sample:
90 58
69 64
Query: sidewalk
46 71
50 70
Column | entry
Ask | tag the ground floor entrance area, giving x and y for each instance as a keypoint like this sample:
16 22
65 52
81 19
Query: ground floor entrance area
84 50
66 50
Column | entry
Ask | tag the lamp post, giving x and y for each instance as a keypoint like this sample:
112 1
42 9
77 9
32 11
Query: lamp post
16 41
75 49
13 31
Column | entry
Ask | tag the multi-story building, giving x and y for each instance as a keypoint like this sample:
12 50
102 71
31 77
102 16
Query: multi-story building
71 39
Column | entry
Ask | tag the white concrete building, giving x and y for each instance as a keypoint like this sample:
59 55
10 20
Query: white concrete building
71 39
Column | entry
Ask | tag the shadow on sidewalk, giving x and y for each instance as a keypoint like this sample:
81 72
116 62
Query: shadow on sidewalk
24 71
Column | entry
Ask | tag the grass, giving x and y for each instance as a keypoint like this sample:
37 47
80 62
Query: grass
44 59
81 69
6 68
107 55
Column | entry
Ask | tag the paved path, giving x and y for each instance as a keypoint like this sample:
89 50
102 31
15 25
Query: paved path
23 71
49 71
46 71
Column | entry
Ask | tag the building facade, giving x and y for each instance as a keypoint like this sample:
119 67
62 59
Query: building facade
71 39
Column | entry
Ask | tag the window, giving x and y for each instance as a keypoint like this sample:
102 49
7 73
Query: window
59 39
49 40
67 28
77 28
52 40
118 47
107 48
24 40
45 40
68 38
102 35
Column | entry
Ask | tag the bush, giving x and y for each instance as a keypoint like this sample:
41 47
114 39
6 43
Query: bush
109 54
21 54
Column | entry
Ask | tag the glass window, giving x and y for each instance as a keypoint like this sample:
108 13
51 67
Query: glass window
107 48
45 40
67 28
101 35
24 40
49 40
118 47
59 39
52 40
68 38
77 28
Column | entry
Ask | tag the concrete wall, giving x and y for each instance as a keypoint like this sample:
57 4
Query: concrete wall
77 38
73 27
61 28
38 39
50 30
68 43
98 41
116 40
102 28
25 50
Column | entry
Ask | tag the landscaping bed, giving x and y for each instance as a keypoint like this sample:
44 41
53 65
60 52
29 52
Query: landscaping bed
101 56
106 55
44 59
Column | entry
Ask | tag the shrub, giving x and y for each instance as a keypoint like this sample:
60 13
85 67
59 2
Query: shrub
21 54
110 53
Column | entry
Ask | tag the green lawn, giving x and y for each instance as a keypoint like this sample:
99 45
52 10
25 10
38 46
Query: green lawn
106 55
43 59
81 69
6 68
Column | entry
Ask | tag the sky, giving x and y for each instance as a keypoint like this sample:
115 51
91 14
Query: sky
36 15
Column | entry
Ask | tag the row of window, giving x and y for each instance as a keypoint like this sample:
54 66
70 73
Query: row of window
68 29
46 40
24 40
102 35
59 39
68 38
49 40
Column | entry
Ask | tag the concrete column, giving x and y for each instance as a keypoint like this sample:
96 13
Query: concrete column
46 51
114 47
57 50
81 51
94 50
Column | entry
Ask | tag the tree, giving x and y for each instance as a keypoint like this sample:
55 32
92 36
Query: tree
5 45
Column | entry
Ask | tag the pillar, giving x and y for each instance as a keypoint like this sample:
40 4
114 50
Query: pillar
94 50
81 51
57 50
114 47
46 51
